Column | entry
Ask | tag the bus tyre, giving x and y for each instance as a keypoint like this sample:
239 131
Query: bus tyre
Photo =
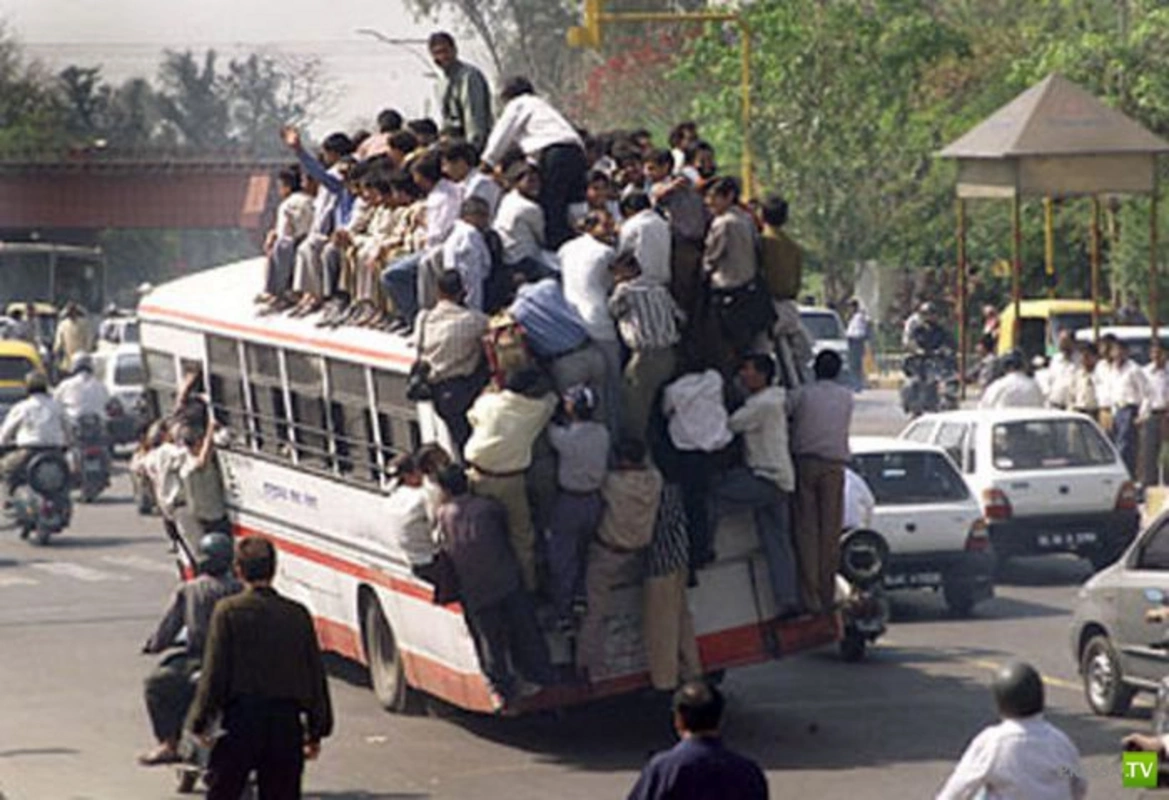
386 671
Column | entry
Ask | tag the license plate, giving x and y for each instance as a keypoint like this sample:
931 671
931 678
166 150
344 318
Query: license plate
914 579
1065 540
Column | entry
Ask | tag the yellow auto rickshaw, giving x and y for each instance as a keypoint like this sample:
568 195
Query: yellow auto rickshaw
1041 323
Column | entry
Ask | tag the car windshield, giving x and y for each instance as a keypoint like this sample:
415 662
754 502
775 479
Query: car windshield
1049 444
14 368
901 478
128 370
822 325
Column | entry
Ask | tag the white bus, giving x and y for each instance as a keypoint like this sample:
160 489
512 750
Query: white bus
315 417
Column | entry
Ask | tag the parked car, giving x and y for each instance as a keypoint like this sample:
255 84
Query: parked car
1115 648
1049 481
934 527
827 333
120 369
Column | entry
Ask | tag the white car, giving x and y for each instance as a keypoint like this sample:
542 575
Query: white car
1049 481
934 526
826 331
120 369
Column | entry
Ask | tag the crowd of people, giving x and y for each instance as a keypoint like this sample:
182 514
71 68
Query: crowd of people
595 319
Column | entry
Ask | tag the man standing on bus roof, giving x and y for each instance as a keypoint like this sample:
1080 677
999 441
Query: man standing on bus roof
466 95
262 671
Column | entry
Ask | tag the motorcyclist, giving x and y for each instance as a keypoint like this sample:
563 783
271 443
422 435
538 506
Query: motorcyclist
171 687
928 336
82 393
35 423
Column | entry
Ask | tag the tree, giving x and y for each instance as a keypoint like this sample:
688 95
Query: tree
191 100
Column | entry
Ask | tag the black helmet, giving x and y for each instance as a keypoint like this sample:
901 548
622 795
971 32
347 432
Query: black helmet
215 553
1013 361
35 382
1018 690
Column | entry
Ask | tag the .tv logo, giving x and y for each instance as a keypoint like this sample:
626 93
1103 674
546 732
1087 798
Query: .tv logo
1140 771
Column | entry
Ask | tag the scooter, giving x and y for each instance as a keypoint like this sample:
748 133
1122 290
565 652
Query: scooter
932 383
92 457
864 557
41 506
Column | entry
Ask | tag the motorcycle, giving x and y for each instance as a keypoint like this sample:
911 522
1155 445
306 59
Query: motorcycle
41 504
91 457
933 383
864 556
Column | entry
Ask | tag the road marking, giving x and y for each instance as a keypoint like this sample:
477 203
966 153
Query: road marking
79 572
142 563
983 663
16 580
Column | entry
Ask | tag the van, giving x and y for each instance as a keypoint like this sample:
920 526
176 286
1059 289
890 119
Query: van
1041 323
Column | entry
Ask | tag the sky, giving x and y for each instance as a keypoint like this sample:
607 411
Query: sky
126 38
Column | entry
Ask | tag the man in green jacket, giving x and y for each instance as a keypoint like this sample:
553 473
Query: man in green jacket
466 95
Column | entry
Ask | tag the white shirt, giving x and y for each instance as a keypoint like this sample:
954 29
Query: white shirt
520 224
294 216
476 184
406 512
1061 374
697 417
1018 759
442 211
466 250
1157 382
587 282
82 394
1013 390
163 467
647 235
1128 385
36 421
858 502
1102 376
531 123
762 421
858 325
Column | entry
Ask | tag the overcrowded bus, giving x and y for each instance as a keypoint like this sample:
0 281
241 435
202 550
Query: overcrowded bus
314 417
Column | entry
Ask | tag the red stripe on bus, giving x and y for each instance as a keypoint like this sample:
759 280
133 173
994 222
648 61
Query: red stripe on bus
280 336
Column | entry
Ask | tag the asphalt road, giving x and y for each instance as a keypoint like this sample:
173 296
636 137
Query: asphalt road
74 614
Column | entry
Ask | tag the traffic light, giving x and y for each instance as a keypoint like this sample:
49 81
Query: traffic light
588 34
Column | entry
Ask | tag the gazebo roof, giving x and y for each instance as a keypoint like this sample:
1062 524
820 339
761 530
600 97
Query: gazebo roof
1055 117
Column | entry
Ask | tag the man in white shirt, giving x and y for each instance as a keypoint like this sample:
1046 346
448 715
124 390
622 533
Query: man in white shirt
1015 389
858 333
542 133
1127 391
466 251
37 422
460 164
858 502
587 283
1156 404
519 221
1062 372
1024 756
646 234
408 518
766 481
82 393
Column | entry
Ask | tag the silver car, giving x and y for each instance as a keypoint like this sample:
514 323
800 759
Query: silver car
1118 652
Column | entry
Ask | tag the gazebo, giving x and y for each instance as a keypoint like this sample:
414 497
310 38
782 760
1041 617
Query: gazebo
1055 140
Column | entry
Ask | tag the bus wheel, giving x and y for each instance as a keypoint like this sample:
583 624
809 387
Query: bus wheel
386 672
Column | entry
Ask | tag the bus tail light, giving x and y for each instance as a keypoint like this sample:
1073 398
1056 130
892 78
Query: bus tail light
995 505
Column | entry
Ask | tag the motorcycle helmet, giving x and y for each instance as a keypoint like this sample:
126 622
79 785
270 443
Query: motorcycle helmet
82 362
215 553
1018 690
35 382
1013 361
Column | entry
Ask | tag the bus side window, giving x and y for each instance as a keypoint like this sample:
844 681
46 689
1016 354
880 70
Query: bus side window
396 416
270 417
353 438
161 381
226 383
307 392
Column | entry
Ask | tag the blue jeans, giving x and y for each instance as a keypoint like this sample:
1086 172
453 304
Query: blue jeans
400 280
1124 436
856 362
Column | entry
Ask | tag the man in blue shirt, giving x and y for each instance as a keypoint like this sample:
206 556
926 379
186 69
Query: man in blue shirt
699 767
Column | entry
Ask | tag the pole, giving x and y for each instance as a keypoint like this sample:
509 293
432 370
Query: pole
1095 255
962 296
1049 244
1016 266
1154 277
747 165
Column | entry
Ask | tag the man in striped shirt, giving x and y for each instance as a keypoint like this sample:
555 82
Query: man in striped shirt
647 319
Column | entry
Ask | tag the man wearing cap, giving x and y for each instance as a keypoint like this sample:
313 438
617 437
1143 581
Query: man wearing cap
1024 755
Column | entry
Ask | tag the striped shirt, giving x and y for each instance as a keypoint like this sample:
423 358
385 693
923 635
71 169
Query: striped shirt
647 316
670 549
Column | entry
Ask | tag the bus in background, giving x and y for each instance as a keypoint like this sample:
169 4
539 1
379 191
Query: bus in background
53 274
314 418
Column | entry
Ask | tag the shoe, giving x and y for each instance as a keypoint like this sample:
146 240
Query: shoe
163 754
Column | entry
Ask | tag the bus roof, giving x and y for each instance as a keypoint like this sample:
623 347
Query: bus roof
221 301
1045 308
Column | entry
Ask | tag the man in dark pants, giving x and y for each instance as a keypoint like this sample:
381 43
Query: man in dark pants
699 766
1128 390
262 672
498 609
169 689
